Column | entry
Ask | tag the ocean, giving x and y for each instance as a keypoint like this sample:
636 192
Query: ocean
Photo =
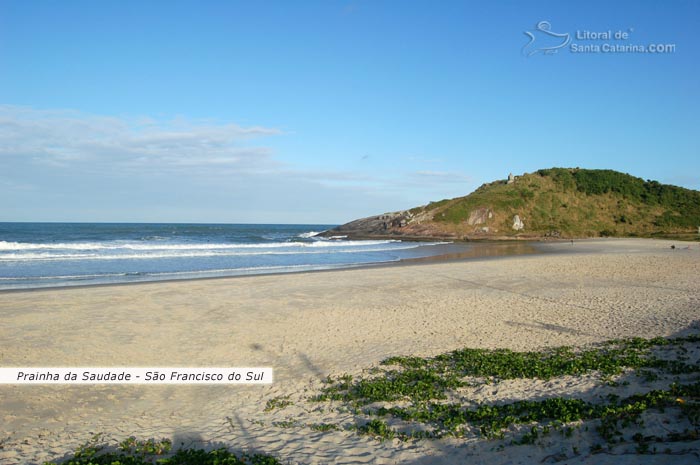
38 255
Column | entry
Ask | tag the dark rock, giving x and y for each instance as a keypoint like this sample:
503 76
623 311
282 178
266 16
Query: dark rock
372 225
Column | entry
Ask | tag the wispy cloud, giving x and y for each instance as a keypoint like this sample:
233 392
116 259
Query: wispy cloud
70 164
72 139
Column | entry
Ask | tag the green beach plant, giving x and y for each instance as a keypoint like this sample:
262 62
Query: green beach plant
133 451
277 402
420 388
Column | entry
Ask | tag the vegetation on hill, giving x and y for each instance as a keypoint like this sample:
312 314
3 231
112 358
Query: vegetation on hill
682 206
567 202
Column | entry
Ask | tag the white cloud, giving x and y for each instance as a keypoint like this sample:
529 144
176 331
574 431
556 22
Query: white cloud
71 139
69 165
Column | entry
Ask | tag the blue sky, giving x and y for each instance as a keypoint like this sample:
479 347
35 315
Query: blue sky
326 111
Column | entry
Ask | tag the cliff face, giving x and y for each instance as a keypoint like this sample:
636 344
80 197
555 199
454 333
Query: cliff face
557 202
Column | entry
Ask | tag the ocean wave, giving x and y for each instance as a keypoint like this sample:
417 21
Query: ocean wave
308 235
48 256
88 246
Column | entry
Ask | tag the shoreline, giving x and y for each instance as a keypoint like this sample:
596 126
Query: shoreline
485 249
478 250
308 326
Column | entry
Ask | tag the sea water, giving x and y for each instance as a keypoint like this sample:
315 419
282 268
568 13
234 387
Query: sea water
34 255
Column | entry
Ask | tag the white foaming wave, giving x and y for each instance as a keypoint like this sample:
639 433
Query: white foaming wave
308 235
85 246
15 257
327 243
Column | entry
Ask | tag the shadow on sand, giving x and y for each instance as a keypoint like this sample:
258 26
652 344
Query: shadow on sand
580 448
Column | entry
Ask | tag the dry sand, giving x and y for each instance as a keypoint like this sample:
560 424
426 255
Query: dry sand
307 326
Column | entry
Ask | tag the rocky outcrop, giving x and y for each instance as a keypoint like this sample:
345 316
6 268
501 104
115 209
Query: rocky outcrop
373 225
479 216
518 223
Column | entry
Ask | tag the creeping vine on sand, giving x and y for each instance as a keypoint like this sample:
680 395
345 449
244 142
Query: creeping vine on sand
420 389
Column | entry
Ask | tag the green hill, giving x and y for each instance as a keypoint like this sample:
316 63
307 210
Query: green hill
556 202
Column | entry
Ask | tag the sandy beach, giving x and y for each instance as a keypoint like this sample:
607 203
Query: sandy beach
311 325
